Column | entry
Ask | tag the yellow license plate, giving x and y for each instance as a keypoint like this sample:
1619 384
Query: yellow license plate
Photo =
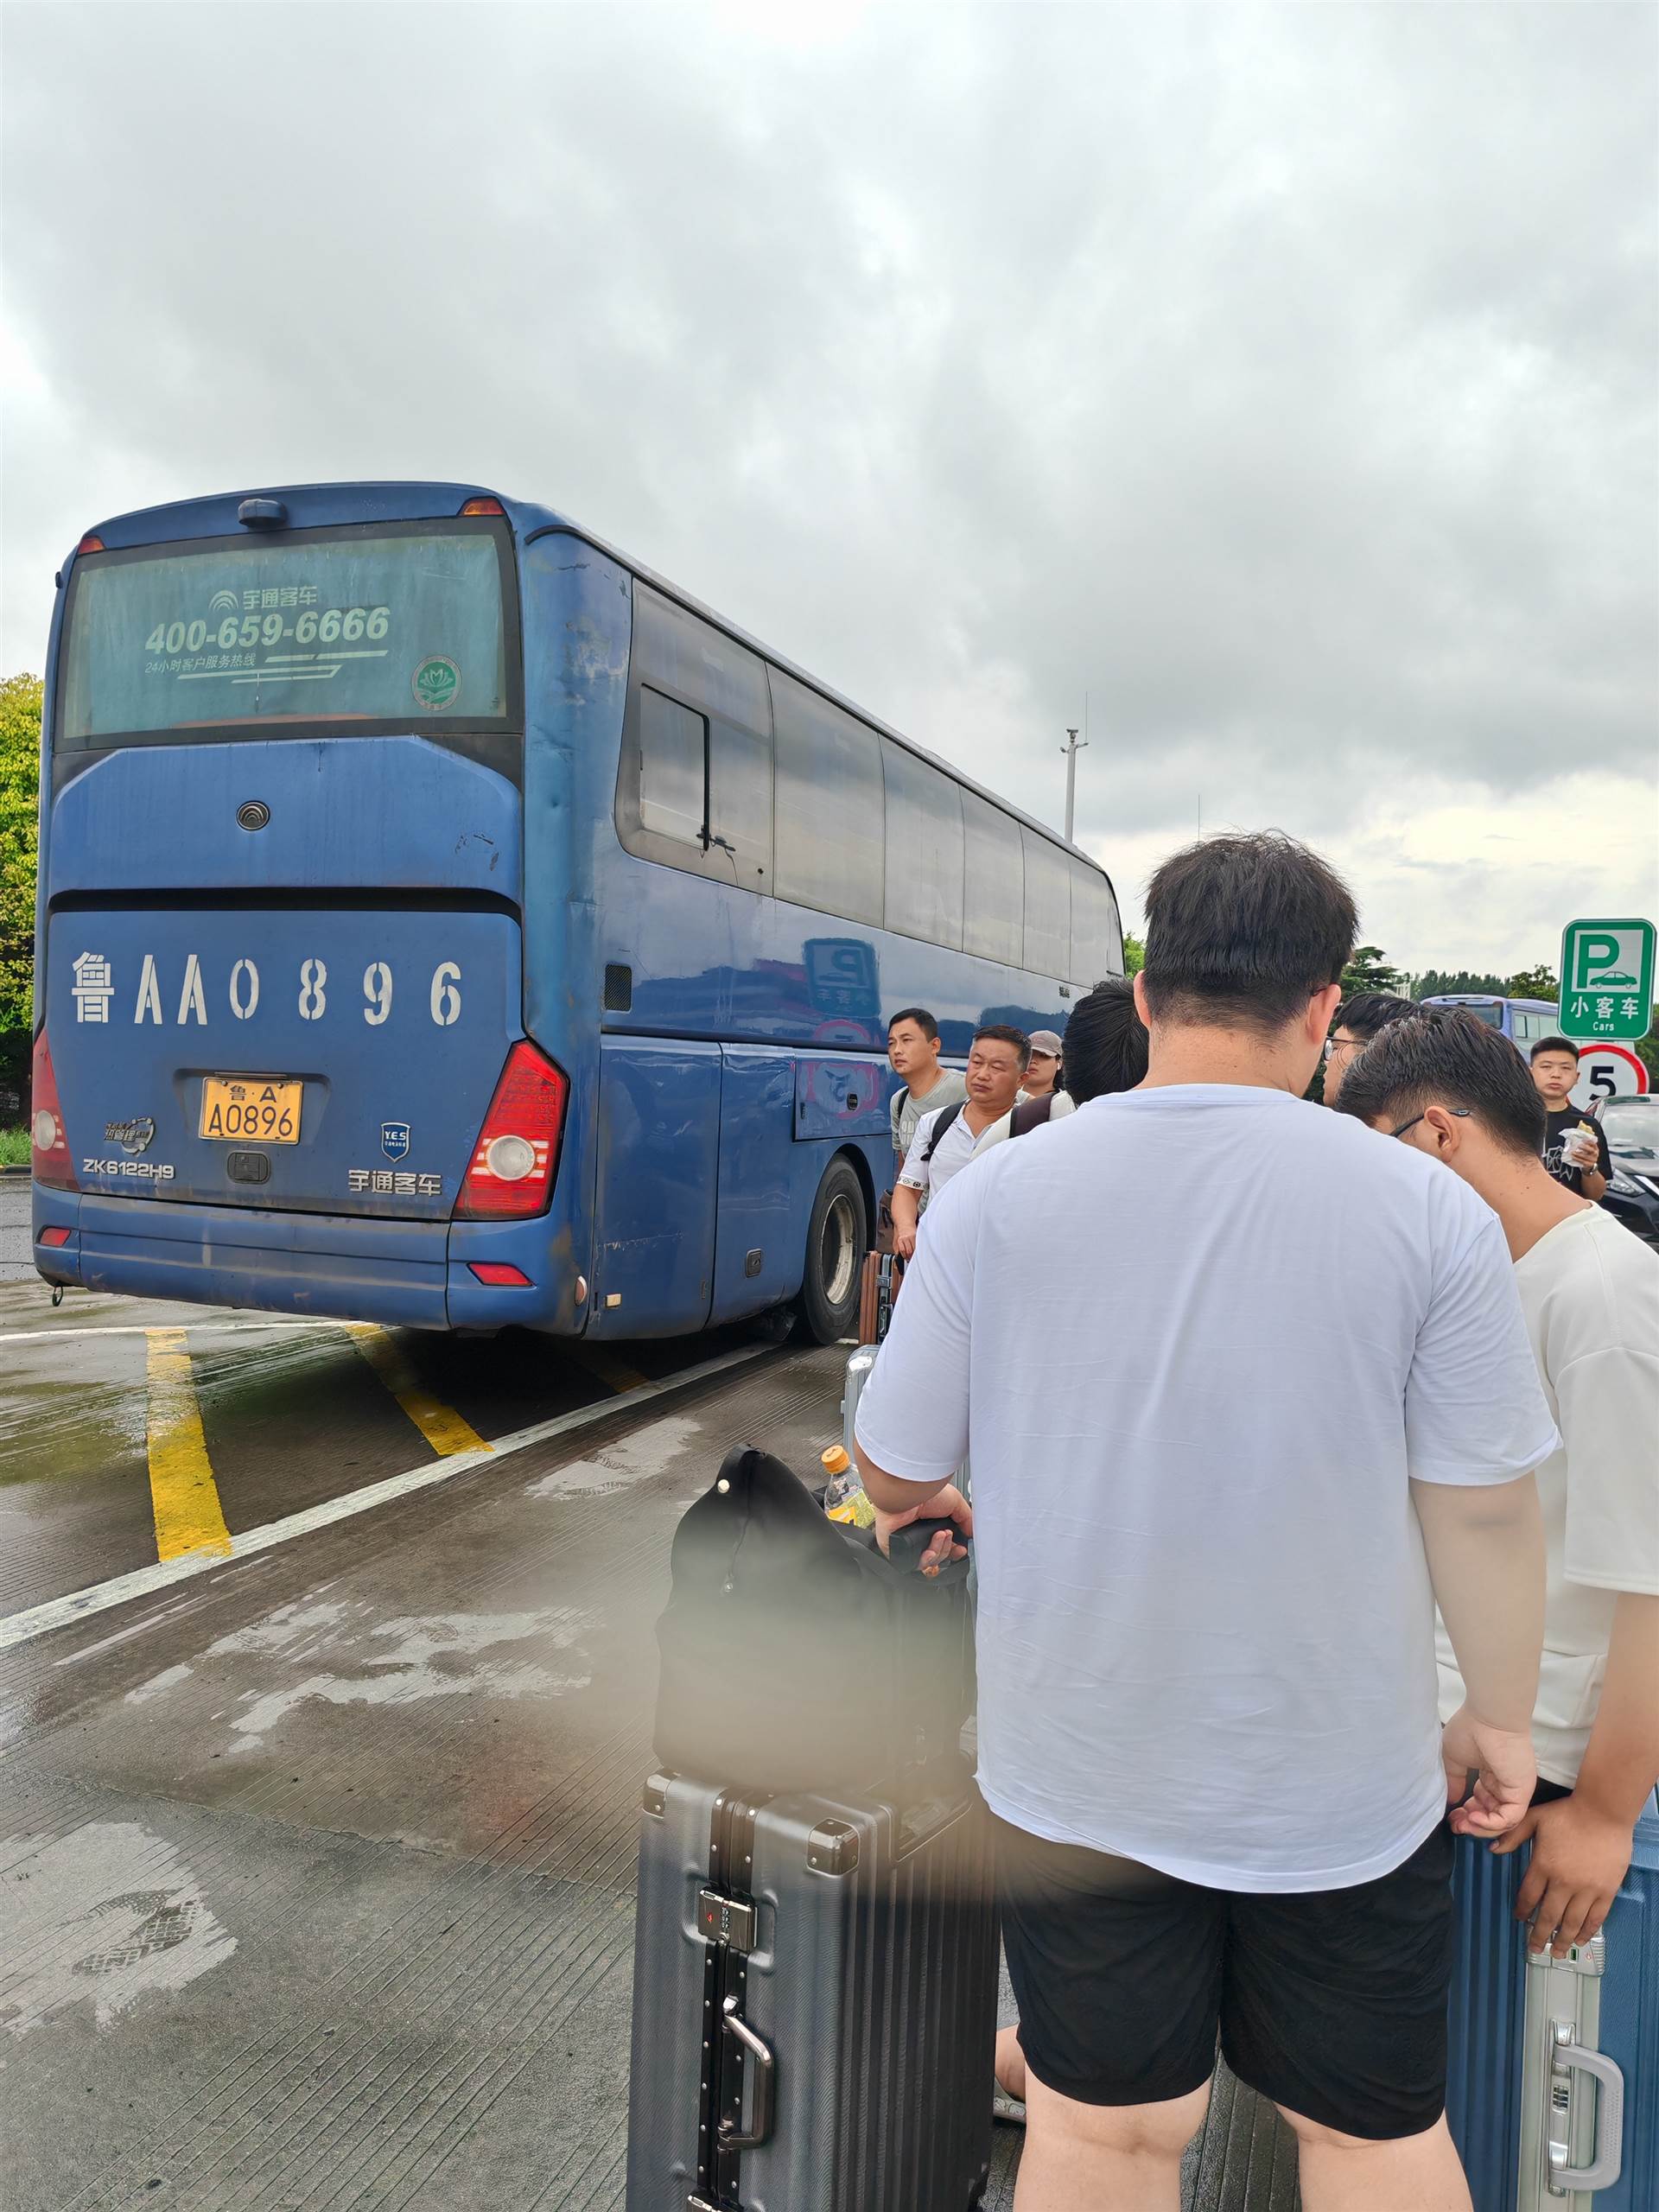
251 1108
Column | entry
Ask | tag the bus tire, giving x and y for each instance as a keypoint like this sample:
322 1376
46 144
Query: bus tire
837 1238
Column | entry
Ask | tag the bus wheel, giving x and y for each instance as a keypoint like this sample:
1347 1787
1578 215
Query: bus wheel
835 1244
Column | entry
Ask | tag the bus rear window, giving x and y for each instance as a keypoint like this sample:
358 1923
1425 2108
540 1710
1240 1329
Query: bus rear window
397 626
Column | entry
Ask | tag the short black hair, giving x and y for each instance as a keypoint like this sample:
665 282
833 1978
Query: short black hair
1368 1014
1002 1032
1554 1045
923 1019
1105 1042
1242 931
1446 1055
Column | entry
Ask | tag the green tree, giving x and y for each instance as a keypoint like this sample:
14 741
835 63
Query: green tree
1444 982
1533 984
1648 1047
1135 953
1371 969
20 766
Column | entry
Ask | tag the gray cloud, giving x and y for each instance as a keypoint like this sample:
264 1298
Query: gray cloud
1285 377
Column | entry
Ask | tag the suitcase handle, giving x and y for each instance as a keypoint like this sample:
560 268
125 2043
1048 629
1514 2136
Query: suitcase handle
905 1547
764 2076
1567 2052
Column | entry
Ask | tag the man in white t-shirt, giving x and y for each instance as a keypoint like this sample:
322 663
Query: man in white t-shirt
948 1138
1267 1398
1455 1090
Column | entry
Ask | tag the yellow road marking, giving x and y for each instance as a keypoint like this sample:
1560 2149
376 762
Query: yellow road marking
606 1366
182 1491
441 1425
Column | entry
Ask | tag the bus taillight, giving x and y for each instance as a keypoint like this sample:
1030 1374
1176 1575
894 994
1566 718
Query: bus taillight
51 1158
483 507
517 1148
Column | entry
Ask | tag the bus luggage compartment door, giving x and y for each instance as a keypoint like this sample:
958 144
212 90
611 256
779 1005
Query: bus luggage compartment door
658 1176
331 1060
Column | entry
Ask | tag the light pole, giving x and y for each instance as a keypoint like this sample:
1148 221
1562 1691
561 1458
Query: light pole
1071 751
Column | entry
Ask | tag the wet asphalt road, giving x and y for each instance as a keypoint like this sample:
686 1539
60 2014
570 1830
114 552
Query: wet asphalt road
316 1859
15 1264
316 1862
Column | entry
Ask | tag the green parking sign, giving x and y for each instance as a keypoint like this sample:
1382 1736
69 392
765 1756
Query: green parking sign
1606 979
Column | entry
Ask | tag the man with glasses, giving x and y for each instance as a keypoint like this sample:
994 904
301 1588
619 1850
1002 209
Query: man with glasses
1359 1019
1457 1090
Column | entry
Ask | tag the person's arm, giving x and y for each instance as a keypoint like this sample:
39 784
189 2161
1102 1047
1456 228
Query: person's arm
1477 1425
911 1433
913 1179
906 1211
1581 1844
1484 1543
1593 1181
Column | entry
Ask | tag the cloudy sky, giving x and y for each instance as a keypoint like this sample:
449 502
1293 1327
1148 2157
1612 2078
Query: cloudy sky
1283 379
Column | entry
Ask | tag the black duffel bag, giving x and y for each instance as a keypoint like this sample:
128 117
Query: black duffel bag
794 1656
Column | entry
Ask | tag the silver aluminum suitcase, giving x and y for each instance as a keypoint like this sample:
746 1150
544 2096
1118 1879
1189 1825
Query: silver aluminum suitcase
860 1361
1553 2084
1572 2093
815 2004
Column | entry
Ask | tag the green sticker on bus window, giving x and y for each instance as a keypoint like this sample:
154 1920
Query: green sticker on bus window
436 681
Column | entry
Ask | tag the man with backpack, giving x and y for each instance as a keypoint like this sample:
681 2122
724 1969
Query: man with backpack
948 1137
924 1085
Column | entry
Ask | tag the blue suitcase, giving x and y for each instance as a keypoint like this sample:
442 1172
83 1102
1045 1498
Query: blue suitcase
1553 2090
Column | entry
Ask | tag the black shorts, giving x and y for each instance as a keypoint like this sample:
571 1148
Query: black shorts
1331 2002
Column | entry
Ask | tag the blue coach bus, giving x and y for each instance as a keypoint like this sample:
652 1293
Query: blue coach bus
444 921
1523 1022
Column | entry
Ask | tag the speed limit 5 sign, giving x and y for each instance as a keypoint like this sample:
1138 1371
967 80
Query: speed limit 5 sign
1608 1072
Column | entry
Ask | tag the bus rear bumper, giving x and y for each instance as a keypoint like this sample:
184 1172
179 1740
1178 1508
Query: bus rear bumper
394 1272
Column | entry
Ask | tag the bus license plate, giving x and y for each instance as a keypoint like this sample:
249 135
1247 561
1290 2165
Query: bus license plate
251 1109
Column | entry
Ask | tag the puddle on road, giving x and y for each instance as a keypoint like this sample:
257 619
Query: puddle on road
402 1661
632 1459
101 1917
68 1411
78 1408
260 1377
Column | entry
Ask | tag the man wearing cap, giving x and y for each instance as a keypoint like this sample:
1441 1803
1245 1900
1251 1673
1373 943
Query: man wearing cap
1043 1071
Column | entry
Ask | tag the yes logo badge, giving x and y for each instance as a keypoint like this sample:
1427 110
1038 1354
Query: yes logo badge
394 1140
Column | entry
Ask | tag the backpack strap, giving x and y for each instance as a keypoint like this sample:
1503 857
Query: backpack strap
1030 1114
947 1114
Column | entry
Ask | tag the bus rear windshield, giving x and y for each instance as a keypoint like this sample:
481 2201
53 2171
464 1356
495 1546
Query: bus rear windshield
395 627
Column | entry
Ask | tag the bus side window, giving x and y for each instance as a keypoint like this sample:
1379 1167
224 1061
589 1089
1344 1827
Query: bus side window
693 690
924 873
830 852
994 879
673 769
1096 939
1048 907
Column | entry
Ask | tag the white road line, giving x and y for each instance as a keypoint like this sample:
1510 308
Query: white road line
81 1604
144 1329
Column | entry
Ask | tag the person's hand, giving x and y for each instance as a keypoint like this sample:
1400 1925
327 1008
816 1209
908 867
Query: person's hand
904 1243
948 1502
1504 1769
1579 1859
1578 1148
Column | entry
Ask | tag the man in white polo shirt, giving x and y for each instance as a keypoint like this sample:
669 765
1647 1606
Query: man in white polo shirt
947 1139
1268 1397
